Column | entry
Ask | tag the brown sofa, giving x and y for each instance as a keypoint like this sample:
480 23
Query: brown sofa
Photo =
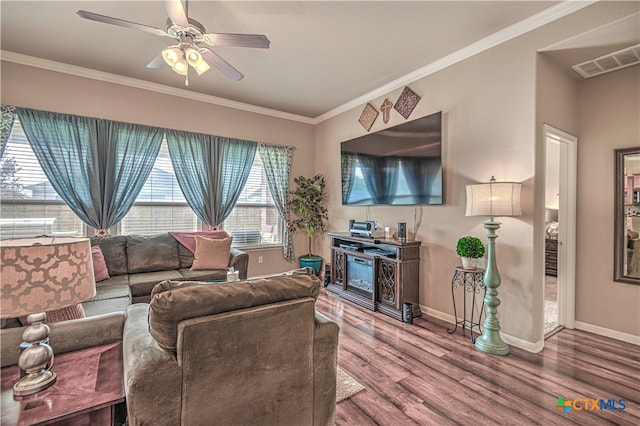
252 352
139 262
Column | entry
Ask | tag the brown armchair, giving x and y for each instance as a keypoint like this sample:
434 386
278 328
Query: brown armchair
252 352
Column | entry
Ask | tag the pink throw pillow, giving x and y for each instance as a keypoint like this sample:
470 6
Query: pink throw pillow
211 254
100 270
64 314
188 240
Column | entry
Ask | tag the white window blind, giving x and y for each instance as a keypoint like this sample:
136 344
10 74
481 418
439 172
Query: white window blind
29 204
254 219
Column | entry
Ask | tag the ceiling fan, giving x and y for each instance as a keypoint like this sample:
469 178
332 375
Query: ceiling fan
189 35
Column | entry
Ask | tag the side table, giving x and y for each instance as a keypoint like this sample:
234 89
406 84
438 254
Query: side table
90 384
471 282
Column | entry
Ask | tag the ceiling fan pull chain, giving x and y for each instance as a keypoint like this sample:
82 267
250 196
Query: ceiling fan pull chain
186 78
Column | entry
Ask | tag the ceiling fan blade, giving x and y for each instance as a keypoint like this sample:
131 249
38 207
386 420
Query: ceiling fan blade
120 22
240 40
224 66
156 63
176 13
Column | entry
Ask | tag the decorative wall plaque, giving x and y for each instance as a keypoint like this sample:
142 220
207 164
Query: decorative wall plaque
406 102
386 110
368 116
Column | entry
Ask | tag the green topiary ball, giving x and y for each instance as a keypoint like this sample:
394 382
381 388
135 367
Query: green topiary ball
469 246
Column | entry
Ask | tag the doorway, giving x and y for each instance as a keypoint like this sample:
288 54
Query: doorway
560 225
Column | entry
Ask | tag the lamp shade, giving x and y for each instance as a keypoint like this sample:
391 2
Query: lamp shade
494 199
171 55
181 67
193 57
46 273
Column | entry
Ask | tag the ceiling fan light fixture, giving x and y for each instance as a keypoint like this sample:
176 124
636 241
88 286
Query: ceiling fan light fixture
202 67
188 34
172 55
181 67
193 57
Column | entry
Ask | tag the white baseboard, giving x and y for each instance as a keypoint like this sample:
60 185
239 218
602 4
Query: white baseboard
606 332
437 314
533 347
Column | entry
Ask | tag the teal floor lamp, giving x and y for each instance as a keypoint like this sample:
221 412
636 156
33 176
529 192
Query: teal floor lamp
492 199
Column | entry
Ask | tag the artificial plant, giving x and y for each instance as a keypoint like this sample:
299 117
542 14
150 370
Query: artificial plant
308 204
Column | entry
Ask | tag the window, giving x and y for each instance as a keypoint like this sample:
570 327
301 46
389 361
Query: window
160 206
254 219
30 206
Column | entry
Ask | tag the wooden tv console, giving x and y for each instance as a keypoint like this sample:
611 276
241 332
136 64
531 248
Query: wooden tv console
394 269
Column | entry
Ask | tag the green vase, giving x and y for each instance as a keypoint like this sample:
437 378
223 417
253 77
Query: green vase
314 262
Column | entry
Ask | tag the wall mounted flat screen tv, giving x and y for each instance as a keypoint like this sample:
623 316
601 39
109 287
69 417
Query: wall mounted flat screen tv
401 165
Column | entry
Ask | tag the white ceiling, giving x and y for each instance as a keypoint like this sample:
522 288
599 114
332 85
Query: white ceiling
323 54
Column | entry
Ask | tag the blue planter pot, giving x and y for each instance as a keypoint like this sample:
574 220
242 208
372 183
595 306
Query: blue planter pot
314 262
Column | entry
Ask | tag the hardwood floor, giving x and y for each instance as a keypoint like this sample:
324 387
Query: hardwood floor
419 374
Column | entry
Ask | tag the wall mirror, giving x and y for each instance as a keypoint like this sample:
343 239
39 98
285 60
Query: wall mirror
627 216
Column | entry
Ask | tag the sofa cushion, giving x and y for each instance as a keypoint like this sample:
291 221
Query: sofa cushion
142 284
100 270
149 253
186 256
111 292
204 275
108 298
170 307
115 280
114 250
211 253
106 306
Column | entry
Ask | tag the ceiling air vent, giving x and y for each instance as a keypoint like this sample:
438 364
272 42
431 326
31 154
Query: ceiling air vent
611 62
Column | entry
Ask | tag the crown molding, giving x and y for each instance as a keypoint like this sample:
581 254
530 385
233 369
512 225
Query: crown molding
522 27
77 71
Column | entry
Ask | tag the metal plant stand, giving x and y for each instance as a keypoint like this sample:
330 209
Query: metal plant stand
471 282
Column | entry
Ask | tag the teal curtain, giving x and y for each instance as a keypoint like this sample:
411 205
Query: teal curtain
98 167
211 171
348 162
277 166
380 176
7 117
423 176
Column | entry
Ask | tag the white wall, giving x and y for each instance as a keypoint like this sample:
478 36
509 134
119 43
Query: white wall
552 185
